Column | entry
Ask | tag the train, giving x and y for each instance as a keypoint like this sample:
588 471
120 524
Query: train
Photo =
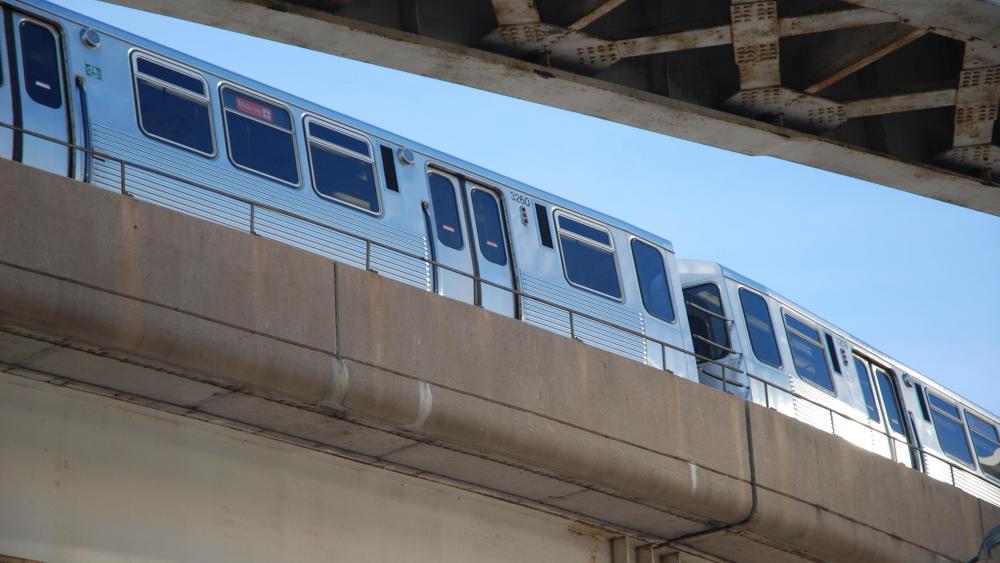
86 100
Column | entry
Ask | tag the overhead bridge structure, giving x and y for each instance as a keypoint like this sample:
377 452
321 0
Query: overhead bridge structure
898 92
174 389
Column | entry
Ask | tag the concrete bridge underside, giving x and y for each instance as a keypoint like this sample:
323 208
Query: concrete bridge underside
900 93
351 402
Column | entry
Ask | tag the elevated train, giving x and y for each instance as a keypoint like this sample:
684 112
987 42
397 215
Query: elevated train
208 142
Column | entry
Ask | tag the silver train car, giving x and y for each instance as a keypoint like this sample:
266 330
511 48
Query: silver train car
182 133
782 356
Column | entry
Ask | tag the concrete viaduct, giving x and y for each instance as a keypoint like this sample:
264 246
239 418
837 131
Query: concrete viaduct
171 389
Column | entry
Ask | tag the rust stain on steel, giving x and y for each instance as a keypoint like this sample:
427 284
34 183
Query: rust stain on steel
513 12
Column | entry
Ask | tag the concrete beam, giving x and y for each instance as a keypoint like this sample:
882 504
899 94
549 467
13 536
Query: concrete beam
323 32
378 378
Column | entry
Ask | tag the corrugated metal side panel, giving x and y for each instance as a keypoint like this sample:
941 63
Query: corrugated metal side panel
977 486
809 412
937 469
594 333
224 210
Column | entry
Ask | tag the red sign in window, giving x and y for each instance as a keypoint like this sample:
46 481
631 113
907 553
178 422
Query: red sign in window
250 107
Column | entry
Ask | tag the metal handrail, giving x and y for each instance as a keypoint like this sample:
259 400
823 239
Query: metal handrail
369 243
708 311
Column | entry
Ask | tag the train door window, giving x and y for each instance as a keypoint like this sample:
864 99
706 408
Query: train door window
653 284
758 321
707 319
40 60
807 352
890 401
866 389
173 106
342 167
949 427
449 226
986 443
588 257
260 136
489 226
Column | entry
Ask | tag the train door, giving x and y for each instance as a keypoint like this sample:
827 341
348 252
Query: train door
894 415
490 249
448 230
468 229
35 90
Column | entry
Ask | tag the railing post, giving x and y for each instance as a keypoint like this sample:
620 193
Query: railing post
124 191
253 214
572 329
833 427
663 354
368 254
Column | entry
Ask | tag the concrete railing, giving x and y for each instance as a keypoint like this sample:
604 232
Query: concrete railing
121 297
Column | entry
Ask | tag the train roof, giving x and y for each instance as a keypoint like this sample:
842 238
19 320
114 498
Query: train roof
302 103
716 269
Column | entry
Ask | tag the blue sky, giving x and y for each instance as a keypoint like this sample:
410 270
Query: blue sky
917 278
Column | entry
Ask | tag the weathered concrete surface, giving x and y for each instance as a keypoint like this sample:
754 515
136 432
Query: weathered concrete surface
86 478
320 31
118 297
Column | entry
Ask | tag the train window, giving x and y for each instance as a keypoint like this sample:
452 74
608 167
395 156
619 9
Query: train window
922 401
653 284
832 349
342 167
389 168
260 136
173 106
588 257
707 319
758 321
449 227
544 231
807 352
986 442
950 430
489 227
866 389
40 60
890 401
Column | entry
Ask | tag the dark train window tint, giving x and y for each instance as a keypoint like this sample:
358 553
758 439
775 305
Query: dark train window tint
260 136
389 168
170 76
40 59
890 401
586 231
807 353
489 227
950 430
706 325
449 227
832 350
339 139
170 110
922 401
544 231
866 389
986 443
345 176
653 284
758 321
588 262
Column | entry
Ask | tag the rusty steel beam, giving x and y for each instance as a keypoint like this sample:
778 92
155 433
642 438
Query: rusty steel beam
515 12
865 61
595 14
722 34
755 42
901 103
830 21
